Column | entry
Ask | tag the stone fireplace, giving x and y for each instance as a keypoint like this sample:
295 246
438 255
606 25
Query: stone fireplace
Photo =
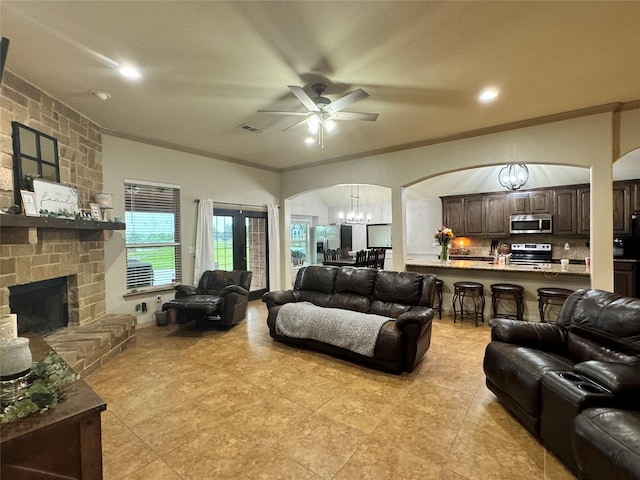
41 307
36 254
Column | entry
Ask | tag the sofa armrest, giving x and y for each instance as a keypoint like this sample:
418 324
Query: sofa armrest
418 315
618 378
186 290
278 297
233 289
545 336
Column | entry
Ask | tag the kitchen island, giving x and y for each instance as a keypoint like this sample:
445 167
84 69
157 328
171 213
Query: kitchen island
486 272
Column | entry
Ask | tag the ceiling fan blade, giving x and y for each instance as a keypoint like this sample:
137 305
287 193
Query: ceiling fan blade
278 112
369 117
304 98
301 122
345 101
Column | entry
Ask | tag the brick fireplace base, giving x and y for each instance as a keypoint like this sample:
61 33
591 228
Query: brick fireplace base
87 347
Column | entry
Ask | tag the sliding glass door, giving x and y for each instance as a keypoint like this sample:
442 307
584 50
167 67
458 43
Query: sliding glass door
240 243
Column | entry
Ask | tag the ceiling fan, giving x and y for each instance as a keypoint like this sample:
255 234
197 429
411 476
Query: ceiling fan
321 112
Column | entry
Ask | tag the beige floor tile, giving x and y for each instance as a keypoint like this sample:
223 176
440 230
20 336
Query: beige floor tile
429 437
478 456
358 408
273 465
218 453
554 470
123 453
157 470
379 461
320 444
269 419
446 403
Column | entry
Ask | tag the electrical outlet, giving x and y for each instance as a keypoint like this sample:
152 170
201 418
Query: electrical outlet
159 298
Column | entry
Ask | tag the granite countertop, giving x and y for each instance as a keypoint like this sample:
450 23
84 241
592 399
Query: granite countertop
556 268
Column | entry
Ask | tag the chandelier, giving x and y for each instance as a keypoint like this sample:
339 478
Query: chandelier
354 215
513 176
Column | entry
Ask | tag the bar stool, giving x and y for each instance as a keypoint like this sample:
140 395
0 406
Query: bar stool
507 291
551 296
474 291
437 297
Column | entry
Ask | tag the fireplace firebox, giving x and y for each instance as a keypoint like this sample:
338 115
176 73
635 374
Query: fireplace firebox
42 307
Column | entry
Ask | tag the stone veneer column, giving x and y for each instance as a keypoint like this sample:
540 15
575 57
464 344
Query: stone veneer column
58 252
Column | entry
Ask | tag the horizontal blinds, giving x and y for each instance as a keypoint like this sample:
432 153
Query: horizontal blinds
152 215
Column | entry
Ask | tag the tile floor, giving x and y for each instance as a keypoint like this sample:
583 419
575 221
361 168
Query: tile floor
185 404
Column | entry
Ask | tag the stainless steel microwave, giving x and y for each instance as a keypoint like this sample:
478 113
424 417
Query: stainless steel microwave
537 223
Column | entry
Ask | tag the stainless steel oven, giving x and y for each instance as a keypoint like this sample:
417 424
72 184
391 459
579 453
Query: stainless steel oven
538 223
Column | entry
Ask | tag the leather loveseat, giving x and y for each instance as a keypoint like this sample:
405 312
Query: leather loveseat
403 298
547 374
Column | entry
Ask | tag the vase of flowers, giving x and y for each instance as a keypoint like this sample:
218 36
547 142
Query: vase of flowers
443 237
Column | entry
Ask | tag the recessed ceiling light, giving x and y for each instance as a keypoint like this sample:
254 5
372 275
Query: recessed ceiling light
129 72
488 95
101 94
309 140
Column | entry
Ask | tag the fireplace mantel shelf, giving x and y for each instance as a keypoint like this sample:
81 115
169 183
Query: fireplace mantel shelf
23 229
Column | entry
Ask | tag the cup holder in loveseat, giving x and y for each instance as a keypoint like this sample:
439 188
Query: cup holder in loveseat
573 377
590 387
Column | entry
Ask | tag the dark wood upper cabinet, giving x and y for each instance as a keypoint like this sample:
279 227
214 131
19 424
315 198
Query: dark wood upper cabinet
474 216
584 210
495 212
519 203
525 203
622 199
540 201
565 215
453 214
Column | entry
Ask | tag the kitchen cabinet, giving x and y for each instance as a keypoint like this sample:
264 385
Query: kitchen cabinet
474 215
624 278
565 213
453 214
531 202
496 217
622 196
584 210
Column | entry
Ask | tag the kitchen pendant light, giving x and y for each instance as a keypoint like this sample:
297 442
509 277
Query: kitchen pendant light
513 176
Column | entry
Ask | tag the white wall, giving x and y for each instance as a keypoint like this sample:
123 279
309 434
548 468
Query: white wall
198 177
424 218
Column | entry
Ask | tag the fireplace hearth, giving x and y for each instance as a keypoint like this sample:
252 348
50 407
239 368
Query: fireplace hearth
42 307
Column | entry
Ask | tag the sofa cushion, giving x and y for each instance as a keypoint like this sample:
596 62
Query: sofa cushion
356 280
350 301
319 279
318 298
517 371
581 348
606 318
398 287
388 309
606 444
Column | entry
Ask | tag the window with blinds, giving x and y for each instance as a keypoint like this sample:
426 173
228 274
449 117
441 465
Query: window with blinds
152 215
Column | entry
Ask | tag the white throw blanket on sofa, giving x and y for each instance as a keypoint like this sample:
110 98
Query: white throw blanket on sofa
354 331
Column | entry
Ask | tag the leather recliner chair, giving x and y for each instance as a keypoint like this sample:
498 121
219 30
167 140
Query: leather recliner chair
220 297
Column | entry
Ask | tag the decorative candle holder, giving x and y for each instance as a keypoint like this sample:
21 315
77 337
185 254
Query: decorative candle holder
105 202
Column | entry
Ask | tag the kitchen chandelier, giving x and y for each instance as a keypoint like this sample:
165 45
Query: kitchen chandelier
354 215
513 176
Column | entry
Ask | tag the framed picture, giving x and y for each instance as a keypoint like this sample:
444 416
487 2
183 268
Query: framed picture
29 204
95 211
56 199
85 214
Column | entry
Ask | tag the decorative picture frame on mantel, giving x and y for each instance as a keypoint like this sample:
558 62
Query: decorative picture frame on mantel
29 205
95 212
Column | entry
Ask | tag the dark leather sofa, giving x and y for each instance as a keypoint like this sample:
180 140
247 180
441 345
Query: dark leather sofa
221 298
404 297
545 374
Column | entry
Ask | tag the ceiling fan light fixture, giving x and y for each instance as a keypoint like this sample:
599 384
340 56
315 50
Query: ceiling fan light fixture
309 140
329 125
313 124
130 72
488 95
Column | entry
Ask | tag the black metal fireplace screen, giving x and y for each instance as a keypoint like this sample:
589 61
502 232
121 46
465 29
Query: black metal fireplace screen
42 307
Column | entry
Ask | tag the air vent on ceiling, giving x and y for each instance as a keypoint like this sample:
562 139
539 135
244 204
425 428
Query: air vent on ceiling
250 128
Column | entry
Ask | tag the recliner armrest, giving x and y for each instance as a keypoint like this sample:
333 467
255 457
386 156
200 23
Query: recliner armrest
185 290
544 336
233 289
279 297
618 378
417 315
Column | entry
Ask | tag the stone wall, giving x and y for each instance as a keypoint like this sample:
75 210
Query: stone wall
57 252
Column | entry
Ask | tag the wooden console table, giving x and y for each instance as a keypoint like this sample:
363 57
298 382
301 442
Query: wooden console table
64 442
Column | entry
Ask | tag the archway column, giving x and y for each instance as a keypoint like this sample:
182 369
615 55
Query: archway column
601 239
398 228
